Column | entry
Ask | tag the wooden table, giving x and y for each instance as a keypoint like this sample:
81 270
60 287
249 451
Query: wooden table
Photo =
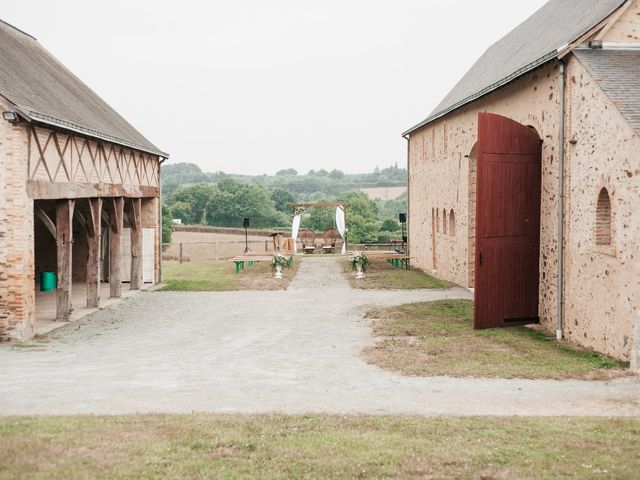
398 260
250 259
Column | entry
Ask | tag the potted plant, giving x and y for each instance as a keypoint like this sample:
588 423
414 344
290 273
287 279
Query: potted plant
279 262
359 262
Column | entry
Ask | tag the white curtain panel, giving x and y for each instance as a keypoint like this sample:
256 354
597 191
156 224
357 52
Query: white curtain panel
340 225
295 226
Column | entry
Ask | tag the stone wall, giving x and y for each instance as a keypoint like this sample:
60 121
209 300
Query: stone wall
602 283
627 28
17 300
602 286
442 175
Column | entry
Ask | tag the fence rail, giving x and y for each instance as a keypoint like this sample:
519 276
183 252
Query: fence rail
211 251
223 250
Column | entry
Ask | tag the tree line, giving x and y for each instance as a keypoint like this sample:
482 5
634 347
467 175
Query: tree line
224 200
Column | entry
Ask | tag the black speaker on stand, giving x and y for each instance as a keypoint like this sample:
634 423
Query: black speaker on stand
245 223
403 220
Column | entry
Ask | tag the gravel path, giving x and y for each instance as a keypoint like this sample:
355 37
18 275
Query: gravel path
288 351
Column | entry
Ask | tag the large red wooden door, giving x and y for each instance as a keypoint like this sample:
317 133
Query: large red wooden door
507 223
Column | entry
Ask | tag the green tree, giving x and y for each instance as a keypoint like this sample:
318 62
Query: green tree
199 198
336 174
233 201
182 211
362 217
167 224
320 218
282 199
389 225
289 171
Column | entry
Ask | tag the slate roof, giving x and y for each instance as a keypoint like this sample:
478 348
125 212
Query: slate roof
45 91
534 42
618 74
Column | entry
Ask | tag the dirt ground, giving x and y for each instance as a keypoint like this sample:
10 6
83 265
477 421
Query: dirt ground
293 351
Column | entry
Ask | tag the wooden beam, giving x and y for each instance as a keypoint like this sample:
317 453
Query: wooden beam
64 253
43 190
42 215
135 211
115 260
613 19
77 214
94 239
320 204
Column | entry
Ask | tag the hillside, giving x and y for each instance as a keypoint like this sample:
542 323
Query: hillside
311 186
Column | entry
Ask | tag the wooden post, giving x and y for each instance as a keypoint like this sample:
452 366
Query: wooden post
64 251
115 257
180 252
94 229
135 210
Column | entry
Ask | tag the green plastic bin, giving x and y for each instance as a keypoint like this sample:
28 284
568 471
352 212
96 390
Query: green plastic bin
48 281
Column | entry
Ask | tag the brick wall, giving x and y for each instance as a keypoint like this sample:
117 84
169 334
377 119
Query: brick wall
17 301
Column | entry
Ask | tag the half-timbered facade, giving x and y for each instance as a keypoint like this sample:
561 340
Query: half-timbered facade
79 192
524 183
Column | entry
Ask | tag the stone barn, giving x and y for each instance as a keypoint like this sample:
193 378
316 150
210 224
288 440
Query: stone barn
524 182
79 192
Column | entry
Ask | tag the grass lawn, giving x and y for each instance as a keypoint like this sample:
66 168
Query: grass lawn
382 275
221 276
437 338
284 447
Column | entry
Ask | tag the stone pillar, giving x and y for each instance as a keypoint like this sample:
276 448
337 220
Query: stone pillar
94 237
635 346
135 210
64 242
115 257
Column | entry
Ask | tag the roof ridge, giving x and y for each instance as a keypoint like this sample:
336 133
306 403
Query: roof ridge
538 39
18 30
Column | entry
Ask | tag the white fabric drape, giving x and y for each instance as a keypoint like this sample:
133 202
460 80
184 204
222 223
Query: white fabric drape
295 226
341 227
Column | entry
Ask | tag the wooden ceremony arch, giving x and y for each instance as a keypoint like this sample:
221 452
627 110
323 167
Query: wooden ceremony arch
299 207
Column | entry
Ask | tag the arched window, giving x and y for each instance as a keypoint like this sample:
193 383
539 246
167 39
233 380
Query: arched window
444 222
452 223
603 218
436 219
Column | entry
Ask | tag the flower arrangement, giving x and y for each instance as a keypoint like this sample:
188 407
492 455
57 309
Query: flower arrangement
298 209
281 261
359 259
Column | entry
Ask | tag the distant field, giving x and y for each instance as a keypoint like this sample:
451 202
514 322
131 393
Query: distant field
384 193
200 246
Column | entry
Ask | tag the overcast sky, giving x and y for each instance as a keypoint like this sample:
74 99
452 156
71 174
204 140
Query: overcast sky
255 86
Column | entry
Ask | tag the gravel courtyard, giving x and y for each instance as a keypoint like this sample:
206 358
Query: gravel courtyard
288 351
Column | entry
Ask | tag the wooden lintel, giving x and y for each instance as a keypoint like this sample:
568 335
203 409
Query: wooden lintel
43 190
320 204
